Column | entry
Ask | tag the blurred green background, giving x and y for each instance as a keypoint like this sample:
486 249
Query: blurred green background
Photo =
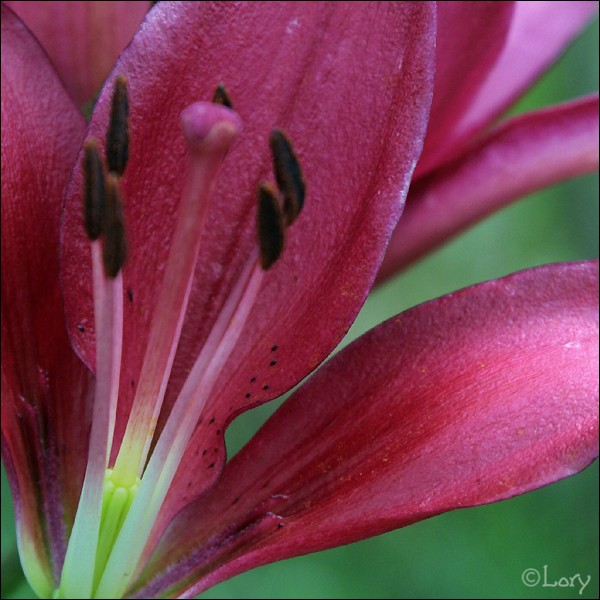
474 553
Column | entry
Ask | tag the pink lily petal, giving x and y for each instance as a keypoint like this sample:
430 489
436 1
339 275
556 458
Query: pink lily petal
355 107
525 154
44 412
83 39
539 34
472 398
470 38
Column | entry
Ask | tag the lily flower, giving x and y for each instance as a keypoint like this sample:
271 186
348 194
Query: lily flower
225 250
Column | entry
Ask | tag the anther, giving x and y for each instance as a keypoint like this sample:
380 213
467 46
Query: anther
94 189
221 96
115 250
288 175
117 137
270 226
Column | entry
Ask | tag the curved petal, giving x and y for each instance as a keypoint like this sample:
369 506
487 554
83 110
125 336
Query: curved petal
471 36
355 107
44 409
539 33
523 155
83 39
469 399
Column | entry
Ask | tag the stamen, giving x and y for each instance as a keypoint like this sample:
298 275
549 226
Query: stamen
115 248
77 578
209 130
117 137
270 226
288 175
94 189
222 97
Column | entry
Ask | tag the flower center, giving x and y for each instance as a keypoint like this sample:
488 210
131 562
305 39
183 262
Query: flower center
118 506
116 502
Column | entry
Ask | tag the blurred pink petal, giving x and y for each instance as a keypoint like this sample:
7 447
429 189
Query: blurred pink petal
470 38
83 39
516 48
540 32
525 154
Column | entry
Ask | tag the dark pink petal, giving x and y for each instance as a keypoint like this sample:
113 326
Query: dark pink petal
472 398
44 406
525 154
83 39
351 85
470 38
539 33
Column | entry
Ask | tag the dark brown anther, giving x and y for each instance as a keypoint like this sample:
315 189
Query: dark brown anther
288 175
115 249
221 96
117 137
94 189
270 226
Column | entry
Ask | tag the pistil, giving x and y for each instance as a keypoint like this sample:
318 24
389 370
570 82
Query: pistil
209 130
